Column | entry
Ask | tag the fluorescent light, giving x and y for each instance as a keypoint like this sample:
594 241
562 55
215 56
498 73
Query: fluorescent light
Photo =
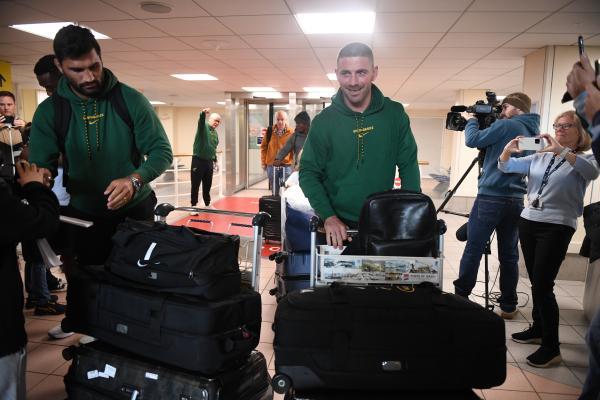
500 98
49 30
350 22
320 89
268 95
405 105
258 89
332 76
195 77
156 102
221 103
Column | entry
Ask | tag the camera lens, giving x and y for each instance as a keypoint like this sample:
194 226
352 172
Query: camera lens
537 141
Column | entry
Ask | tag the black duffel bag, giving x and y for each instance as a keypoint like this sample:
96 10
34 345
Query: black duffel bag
176 259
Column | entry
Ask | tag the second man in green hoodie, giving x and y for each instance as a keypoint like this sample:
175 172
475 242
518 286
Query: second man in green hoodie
355 146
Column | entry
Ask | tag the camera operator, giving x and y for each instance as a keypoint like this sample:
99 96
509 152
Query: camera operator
499 200
10 134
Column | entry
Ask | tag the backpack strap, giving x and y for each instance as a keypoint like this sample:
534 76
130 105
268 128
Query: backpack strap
62 120
115 96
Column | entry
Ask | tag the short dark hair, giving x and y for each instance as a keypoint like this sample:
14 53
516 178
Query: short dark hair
74 41
46 65
356 49
6 93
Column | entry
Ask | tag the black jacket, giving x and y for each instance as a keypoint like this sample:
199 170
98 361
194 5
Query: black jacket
20 221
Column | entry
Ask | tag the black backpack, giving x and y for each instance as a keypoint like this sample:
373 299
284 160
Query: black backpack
62 120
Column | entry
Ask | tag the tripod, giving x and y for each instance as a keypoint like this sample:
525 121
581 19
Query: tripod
487 250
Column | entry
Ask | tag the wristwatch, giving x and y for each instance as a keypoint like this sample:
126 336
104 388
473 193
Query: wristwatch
137 183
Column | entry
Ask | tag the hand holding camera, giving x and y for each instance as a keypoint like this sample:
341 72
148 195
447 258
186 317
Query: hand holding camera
532 143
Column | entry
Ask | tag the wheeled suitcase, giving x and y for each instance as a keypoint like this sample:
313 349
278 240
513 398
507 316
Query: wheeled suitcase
100 371
272 206
292 272
386 338
183 331
297 230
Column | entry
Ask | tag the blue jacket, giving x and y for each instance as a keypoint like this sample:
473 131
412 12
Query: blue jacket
494 182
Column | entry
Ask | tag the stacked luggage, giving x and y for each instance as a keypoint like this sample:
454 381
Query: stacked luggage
172 316
414 341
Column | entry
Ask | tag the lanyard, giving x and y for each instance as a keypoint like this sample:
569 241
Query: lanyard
547 174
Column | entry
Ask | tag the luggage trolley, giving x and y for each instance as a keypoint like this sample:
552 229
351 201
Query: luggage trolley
249 255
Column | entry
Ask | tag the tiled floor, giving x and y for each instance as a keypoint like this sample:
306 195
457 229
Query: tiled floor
46 365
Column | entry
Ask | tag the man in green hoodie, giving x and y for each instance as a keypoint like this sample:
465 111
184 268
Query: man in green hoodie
110 160
355 146
205 155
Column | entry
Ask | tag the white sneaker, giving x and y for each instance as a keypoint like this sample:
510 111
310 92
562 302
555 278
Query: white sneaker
85 339
57 333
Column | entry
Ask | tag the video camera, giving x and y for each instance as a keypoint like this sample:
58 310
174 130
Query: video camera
486 113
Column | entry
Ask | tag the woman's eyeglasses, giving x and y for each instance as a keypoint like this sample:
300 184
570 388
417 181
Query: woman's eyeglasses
564 127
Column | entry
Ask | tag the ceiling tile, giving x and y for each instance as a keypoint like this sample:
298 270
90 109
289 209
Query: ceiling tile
179 8
386 52
76 11
292 41
385 63
583 6
497 21
518 5
116 45
44 47
126 29
286 54
215 42
181 55
250 62
338 40
469 40
406 39
537 40
237 54
448 62
243 7
509 53
262 25
156 44
10 35
492 64
415 22
421 5
23 13
190 26
136 56
474 53
593 40
208 64
575 23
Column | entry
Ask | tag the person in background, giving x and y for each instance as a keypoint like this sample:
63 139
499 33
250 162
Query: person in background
499 200
295 142
273 143
355 146
205 155
32 219
557 178
583 84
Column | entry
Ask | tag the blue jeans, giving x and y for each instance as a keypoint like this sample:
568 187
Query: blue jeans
36 280
491 213
287 173
591 386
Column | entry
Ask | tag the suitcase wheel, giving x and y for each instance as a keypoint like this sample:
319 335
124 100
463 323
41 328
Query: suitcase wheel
281 383
67 353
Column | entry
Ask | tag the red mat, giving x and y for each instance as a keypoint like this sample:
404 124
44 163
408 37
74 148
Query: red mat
222 223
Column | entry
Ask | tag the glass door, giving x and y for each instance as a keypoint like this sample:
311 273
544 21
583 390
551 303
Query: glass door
258 121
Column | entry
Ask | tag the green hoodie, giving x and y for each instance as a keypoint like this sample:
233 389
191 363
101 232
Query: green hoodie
205 146
338 171
107 152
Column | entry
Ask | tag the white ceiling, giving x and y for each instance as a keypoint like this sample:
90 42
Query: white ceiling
426 49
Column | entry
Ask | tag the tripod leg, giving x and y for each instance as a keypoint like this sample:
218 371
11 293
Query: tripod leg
488 250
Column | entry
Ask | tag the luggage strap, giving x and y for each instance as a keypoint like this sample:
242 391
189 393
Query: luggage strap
157 312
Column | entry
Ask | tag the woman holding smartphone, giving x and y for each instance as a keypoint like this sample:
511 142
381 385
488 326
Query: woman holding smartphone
557 178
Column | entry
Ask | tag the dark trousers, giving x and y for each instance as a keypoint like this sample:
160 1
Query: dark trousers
202 172
91 246
544 248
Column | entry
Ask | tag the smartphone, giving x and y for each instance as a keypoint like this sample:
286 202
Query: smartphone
532 143
580 44
9 120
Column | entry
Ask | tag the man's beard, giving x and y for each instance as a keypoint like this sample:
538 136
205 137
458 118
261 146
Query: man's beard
88 92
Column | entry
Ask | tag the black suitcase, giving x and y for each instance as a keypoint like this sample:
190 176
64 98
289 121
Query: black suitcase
386 338
292 272
184 331
176 259
100 371
272 206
